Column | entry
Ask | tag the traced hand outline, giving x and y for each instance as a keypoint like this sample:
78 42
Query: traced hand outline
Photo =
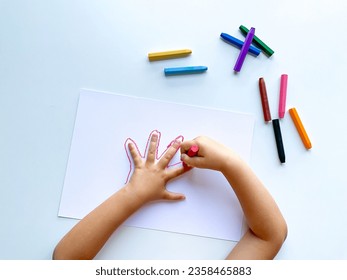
179 138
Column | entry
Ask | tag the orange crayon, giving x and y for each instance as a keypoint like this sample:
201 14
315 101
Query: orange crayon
300 128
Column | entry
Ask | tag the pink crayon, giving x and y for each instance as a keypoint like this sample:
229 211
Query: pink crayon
193 151
283 96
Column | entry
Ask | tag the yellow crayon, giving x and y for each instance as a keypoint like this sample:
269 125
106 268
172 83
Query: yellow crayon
168 54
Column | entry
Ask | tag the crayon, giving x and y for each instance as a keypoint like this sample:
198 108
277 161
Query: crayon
279 141
259 43
300 128
193 151
264 100
283 96
238 43
244 50
185 70
168 54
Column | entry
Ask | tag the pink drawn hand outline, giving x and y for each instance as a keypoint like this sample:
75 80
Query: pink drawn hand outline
179 138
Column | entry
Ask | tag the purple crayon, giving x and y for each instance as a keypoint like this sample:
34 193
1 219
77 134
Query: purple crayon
244 50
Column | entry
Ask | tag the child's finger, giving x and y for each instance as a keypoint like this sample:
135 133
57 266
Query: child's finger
134 153
192 161
152 149
169 154
185 146
173 196
175 172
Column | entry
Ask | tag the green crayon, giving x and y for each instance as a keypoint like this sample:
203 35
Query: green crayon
259 43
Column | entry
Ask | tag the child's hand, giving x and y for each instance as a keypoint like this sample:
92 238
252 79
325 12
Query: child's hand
211 154
150 176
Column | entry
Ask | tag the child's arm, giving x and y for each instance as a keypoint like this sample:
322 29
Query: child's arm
146 184
267 228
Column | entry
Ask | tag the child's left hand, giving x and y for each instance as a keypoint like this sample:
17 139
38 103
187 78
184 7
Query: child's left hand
150 176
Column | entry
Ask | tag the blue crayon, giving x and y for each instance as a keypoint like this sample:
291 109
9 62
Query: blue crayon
238 43
185 70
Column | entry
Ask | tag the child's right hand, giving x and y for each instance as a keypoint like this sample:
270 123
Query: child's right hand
211 154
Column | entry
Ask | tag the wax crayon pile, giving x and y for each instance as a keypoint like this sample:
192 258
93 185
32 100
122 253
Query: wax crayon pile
254 46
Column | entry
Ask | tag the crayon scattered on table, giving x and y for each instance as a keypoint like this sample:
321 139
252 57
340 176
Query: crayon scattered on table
184 70
238 43
283 96
168 54
279 141
300 128
259 43
264 100
244 50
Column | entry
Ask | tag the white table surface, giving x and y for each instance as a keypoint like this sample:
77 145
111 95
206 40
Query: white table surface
51 49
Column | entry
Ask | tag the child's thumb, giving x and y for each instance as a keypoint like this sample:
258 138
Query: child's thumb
190 161
173 196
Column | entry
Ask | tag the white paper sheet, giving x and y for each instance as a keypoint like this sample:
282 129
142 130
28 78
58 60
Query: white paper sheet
98 164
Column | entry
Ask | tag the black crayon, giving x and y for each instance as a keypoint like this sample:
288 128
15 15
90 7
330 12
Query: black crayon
279 142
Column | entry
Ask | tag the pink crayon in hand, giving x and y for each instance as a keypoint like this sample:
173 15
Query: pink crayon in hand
193 151
283 96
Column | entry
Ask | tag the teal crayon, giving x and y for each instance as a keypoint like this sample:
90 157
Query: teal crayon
185 70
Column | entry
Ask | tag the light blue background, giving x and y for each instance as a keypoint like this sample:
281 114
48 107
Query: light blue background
51 49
